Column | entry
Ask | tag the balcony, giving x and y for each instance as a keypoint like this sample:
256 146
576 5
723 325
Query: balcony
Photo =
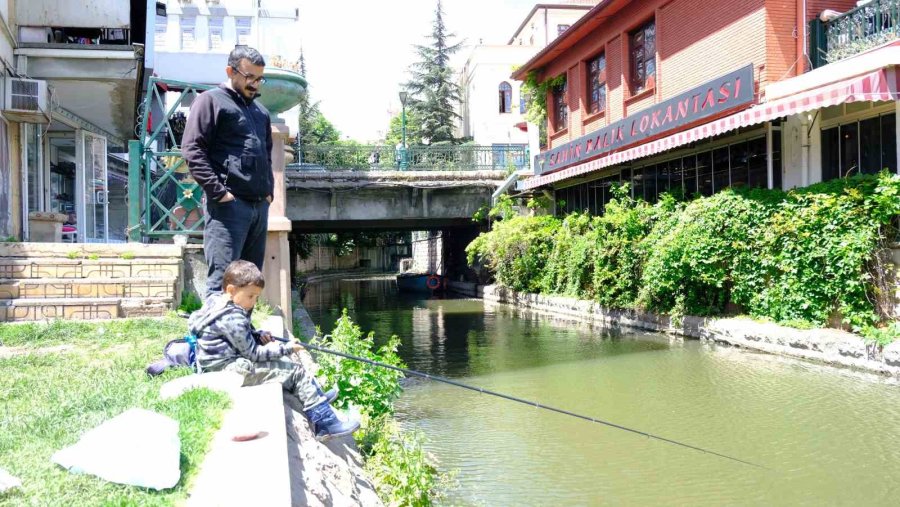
853 32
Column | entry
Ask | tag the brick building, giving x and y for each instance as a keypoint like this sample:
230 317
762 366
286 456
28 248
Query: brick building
701 95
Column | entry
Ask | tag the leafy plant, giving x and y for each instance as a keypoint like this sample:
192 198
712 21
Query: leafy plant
94 257
127 256
803 257
882 336
371 389
72 255
190 302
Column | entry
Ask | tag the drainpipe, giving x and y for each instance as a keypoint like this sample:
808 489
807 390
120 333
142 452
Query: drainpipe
801 37
804 153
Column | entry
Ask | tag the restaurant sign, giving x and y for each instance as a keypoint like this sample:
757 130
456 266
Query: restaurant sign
717 96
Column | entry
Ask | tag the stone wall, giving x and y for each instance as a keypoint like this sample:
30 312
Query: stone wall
428 252
829 346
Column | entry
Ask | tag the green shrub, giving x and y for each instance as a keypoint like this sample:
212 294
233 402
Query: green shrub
516 250
403 472
370 388
190 302
802 256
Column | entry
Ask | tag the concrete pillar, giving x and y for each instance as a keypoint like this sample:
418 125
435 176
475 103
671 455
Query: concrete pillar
277 267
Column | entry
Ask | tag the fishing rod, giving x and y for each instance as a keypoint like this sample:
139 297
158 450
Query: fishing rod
517 400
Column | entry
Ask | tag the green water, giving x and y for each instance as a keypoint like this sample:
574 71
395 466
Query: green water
825 435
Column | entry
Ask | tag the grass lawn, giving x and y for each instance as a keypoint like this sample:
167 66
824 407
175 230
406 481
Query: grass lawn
89 373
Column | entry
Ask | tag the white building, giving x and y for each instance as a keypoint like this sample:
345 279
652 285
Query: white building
192 40
492 107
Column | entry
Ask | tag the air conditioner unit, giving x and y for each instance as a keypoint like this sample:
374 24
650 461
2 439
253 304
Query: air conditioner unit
26 101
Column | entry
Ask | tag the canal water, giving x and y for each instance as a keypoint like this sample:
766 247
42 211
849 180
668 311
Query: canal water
825 435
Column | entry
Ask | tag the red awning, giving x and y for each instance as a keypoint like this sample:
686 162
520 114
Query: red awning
880 85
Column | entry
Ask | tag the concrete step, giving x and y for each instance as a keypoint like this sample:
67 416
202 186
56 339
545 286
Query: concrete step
67 288
62 267
29 309
80 250
253 472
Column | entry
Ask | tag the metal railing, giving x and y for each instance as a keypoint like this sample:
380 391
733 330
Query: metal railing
853 32
323 157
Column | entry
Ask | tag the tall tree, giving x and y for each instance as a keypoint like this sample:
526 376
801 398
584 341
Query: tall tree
435 94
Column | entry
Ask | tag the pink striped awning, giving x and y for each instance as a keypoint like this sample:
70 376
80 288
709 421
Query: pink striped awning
880 85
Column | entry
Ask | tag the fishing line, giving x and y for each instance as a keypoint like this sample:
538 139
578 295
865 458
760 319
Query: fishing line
520 400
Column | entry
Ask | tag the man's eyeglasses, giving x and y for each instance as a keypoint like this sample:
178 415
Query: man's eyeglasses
249 77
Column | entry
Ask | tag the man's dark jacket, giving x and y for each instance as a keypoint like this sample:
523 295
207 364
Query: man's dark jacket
227 145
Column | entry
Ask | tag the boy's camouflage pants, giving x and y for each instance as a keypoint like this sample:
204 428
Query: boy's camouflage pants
292 377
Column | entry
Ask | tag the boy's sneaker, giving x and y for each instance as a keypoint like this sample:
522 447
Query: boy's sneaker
327 425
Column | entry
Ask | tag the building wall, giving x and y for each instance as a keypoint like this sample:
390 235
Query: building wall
485 70
10 169
80 13
729 33
541 27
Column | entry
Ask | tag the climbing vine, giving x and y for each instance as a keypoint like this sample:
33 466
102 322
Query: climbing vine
536 100
802 257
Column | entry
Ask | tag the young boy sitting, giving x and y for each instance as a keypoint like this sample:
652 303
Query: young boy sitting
227 341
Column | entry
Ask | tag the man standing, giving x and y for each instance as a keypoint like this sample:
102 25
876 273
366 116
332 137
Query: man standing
227 145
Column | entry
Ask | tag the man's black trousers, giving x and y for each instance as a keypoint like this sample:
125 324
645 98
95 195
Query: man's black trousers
234 230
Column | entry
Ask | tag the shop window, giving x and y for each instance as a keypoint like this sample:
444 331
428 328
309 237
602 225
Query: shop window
597 84
831 154
776 159
505 94
643 58
757 168
637 183
188 32
689 172
650 193
33 165
560 107
662 178
720 166
740 158
849 143
866 147
216 30
889 143
705 173
242 29
676 178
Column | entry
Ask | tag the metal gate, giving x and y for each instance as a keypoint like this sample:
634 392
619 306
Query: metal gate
163 198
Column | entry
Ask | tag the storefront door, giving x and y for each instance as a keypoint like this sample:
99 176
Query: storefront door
93 186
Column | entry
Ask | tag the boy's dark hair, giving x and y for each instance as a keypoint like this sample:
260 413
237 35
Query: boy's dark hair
241 274
241 52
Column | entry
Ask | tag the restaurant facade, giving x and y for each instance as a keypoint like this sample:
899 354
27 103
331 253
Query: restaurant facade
693 97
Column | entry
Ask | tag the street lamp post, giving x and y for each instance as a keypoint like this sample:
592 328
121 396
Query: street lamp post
404 162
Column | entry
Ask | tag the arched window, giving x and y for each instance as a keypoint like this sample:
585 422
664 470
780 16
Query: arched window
505 95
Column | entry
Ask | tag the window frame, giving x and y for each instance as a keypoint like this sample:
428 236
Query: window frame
505 97
243 27
216 25
560 95
648 82
160 32
188 25
594 77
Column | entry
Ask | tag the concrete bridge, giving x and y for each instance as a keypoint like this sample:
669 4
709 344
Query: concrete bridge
319 201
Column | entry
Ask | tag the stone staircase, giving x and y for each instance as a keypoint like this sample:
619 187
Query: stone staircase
40 281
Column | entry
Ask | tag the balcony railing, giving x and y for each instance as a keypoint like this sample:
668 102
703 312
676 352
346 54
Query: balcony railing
417 158
853 32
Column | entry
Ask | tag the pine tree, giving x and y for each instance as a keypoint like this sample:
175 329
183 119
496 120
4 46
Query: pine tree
434 93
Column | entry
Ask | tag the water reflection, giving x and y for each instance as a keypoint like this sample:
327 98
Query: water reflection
829 435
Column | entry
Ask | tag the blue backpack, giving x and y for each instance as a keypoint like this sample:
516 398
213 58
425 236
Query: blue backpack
179 352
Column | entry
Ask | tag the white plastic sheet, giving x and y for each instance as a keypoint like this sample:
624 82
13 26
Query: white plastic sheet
137 447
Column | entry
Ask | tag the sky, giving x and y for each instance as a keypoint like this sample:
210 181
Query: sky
358 51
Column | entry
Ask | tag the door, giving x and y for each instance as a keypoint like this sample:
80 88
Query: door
93 210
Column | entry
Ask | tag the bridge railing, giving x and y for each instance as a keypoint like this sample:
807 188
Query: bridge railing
323 157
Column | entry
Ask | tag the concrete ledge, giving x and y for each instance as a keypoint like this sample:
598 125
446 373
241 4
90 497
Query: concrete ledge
254 472
139 250
830 346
